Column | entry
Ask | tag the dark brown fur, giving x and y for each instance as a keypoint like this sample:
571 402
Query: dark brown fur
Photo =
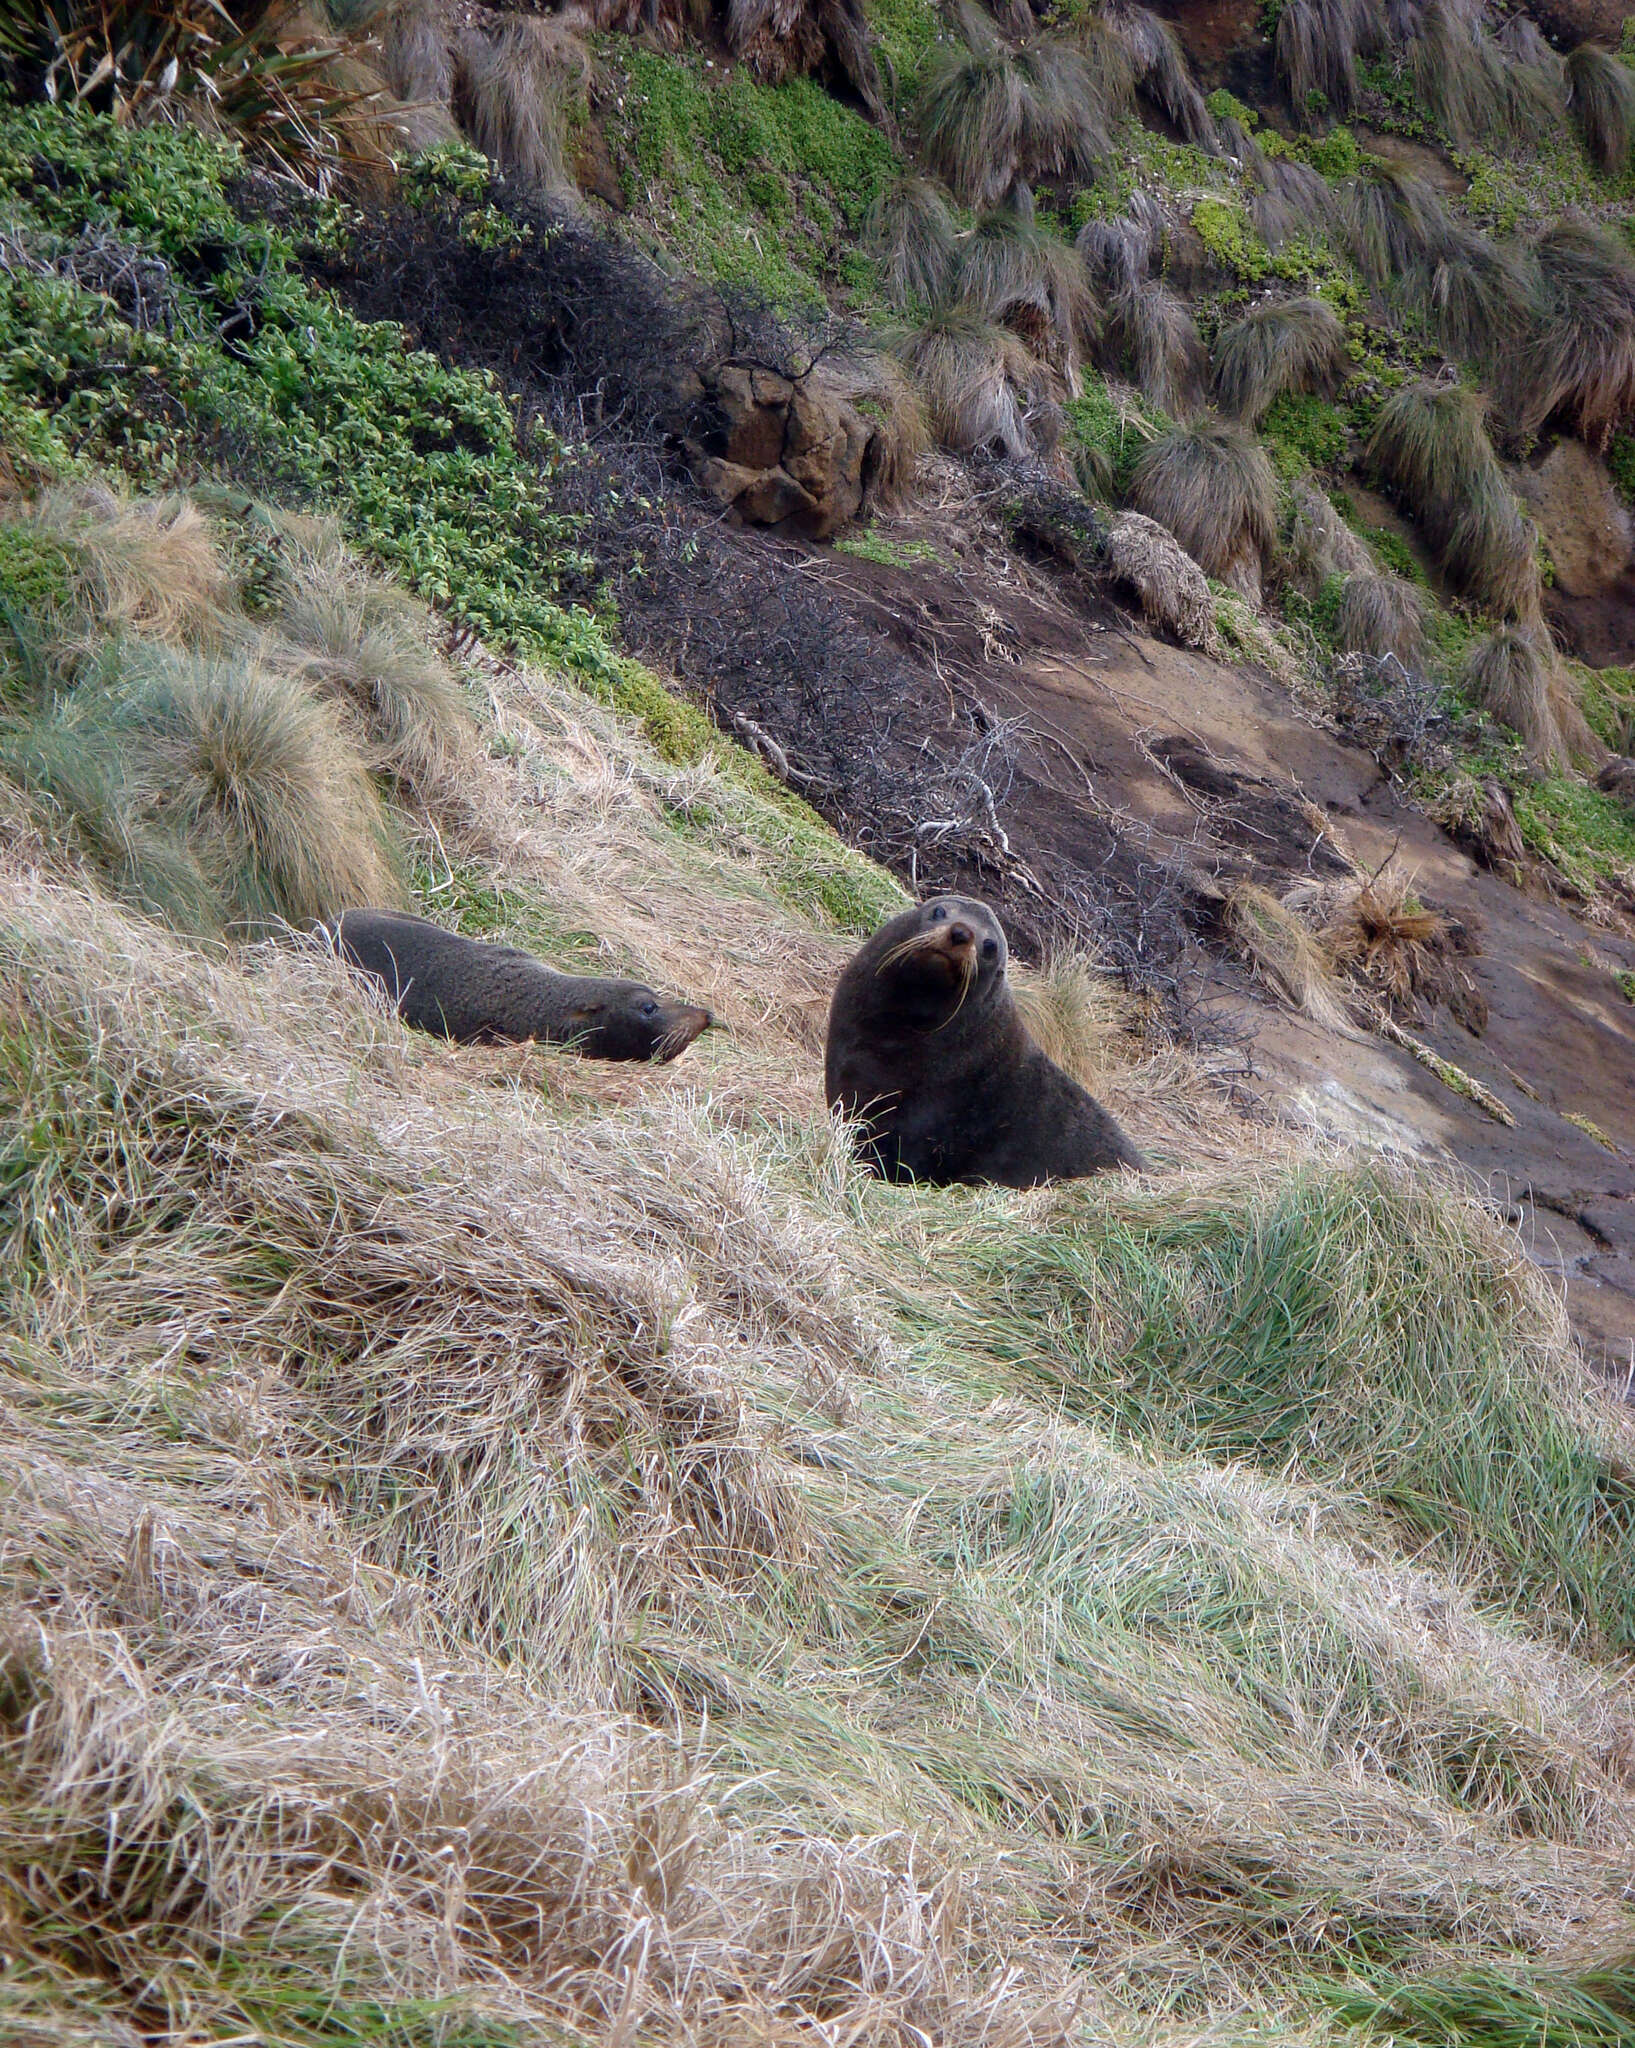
928 1051
471 991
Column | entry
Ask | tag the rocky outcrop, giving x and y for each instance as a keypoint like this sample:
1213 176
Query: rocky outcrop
795 454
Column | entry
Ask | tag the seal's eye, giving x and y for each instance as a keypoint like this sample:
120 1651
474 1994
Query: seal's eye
938 912
990 949
650 1008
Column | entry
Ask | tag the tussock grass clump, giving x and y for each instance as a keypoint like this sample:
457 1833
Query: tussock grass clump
415 58
238 763
1173 591
1286 345
1431 443
1020 277
511 89
145 566
1580 358
1210 483
1601 93
1161 70
1393 221
1477 297
1380 614
990 116
215 768
912 236
366 648
1151 328
1460 76
1292 199
1118 253
1516 676
1316 49
982 386
1321 544
1282 951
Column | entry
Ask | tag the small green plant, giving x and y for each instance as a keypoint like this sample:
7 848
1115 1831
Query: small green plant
870 545
1108 439
1302 431
764 186
1228 234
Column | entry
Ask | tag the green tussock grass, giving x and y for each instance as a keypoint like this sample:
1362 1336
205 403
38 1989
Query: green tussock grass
1246 1339
1495 2008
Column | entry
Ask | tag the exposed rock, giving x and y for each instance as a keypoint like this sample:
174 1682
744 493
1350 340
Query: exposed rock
796 454
1585 527
1617 779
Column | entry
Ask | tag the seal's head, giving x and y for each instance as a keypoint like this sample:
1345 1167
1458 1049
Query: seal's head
940 957
626 1020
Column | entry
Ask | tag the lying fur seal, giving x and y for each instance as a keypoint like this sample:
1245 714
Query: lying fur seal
474 992
928 1051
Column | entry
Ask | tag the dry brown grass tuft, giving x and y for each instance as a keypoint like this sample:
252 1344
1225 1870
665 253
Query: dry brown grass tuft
1376 930
1282 950
1173 590
365 645
511 89
145 566
1381 614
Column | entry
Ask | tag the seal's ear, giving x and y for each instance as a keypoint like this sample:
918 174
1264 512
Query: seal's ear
586 1013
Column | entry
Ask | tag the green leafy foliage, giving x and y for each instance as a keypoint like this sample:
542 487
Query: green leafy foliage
1303 431
338 409
1108 439
766 186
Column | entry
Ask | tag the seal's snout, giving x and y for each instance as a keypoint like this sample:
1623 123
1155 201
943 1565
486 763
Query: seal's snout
961 938
683 1023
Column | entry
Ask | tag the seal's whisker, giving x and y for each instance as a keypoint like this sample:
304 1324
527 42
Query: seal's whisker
967 982
919 942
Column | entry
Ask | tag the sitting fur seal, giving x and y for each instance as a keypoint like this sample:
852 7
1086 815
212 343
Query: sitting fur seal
928 1051
474 992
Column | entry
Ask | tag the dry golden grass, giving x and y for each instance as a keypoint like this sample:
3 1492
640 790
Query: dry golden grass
493 1539
1283 951
143 566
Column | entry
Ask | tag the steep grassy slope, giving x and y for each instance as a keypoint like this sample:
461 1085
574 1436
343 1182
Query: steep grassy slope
500 1549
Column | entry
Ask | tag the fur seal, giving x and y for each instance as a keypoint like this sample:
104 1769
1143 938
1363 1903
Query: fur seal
928 1051
475 993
